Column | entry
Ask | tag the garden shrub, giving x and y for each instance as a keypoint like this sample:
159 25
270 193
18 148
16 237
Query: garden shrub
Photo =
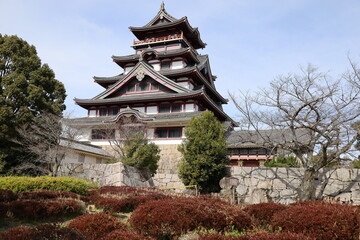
124 199
42 232
320 220
35 209
258 236
125 235
172 217
263 212
28 184
96 225
19 233
47 194
7 195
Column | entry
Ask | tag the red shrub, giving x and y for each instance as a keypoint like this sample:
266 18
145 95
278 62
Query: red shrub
7 195
127 204
172 217
34 209
320 220
19 233
42 232
97 225
47 194
263 212
125 235
259 236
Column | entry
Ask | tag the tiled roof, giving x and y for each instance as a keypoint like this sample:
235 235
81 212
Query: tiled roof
137 98
262 138
84 147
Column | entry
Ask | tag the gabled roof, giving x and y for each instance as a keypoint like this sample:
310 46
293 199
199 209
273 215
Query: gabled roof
161 15
130 99
163 21
144 69
84 147
106 81
262 138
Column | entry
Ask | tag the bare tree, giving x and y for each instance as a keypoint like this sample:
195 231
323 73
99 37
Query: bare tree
311 115
128 140
46 141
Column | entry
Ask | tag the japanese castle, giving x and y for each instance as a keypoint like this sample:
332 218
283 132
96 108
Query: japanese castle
162 86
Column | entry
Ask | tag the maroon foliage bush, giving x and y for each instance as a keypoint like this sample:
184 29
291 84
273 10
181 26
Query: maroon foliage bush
263 212
97 225
7 195
320 220
124 198
172 217
19 233
258 236
125 235
35 209
47 194
42 232
127 204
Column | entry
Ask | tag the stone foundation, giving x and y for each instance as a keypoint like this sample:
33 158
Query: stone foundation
282 185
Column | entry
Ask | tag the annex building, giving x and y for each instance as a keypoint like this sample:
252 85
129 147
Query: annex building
161 86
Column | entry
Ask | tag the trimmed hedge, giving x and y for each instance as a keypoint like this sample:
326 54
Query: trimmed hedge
42 232
258 236
263 212
125 235
28 184
320 220
40 209
96 225
166 218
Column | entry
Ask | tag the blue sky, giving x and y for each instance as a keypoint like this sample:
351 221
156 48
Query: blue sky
249 42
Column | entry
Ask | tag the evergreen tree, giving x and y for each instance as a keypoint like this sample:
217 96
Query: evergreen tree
140 154
27 90
204 153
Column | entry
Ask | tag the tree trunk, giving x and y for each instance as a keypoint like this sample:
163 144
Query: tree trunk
307 185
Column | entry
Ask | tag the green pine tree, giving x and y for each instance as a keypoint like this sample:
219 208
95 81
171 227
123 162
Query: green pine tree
204 153
27 90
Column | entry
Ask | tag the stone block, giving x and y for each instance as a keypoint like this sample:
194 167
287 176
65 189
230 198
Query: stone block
281 173
242 189
343 174
257 196
295 172
265 184
279 184
287 193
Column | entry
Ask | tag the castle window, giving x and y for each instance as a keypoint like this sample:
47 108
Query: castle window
151 109
103 112
165 65
143 87
92 113
113 111
177 65
102 134
176 108
174 132
164 108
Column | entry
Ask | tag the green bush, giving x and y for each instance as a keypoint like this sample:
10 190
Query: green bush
28 184
356 164
287 162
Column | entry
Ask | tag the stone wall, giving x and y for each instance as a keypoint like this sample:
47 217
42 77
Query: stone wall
167 173
116 174
255 185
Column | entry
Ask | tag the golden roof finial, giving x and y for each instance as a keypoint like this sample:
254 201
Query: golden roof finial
162 6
